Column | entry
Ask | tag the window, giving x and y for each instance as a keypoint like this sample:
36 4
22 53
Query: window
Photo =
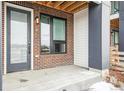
58 35
45 34
114 7
114 37
53 35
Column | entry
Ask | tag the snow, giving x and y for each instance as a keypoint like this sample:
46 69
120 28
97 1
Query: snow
103 86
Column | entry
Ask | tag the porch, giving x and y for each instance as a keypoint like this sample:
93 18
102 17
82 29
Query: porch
116 46
67 51
76 24
69 77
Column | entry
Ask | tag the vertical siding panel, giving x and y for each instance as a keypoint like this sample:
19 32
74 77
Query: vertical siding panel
81 38
105 34
99 32
95 53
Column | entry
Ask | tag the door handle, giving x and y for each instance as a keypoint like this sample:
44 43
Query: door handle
29 47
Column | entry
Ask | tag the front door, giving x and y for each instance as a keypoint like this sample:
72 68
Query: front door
18 39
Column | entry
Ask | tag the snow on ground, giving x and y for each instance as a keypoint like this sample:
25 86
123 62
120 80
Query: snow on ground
103 86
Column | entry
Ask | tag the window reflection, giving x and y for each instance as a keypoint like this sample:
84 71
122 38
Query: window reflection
45 34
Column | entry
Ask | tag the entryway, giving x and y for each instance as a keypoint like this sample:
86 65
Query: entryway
18 39
61 78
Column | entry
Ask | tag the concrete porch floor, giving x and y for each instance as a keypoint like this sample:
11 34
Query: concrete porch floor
68 77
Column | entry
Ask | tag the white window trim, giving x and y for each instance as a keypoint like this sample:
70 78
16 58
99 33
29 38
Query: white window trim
114 16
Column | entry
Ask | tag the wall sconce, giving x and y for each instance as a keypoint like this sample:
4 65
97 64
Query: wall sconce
36 56
37 19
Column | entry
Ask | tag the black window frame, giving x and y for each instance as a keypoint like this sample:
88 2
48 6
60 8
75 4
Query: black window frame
52 42
113 31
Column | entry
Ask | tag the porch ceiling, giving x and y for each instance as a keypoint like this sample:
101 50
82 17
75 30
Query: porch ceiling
67 6
115 23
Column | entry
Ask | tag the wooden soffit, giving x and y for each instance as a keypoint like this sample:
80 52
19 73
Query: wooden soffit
66 6
114 23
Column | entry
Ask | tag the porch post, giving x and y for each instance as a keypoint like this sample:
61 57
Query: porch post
0 45
99 35
121 26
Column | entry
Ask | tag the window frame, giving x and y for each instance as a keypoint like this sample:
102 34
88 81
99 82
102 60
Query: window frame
40 36
51 35
114 7
113 31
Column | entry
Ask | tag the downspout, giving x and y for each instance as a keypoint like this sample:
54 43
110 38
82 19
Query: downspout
0 45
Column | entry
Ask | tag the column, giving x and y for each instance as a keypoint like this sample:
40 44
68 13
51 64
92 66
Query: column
99 35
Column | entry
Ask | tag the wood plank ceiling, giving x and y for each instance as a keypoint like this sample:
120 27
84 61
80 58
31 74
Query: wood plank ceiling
67 6
114 23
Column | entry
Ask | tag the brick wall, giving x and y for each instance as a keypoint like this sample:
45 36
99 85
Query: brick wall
48 60
3 45
117 74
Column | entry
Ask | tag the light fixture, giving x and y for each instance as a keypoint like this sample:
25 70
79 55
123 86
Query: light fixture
37 19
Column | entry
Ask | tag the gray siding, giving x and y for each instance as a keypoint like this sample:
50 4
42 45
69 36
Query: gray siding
121 26
105 33
0 45
95 53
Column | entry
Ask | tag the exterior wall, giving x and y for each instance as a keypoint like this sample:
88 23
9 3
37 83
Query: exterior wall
48 60
81 38
121 26
117 74
95 52
105 34
99 35
0 45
